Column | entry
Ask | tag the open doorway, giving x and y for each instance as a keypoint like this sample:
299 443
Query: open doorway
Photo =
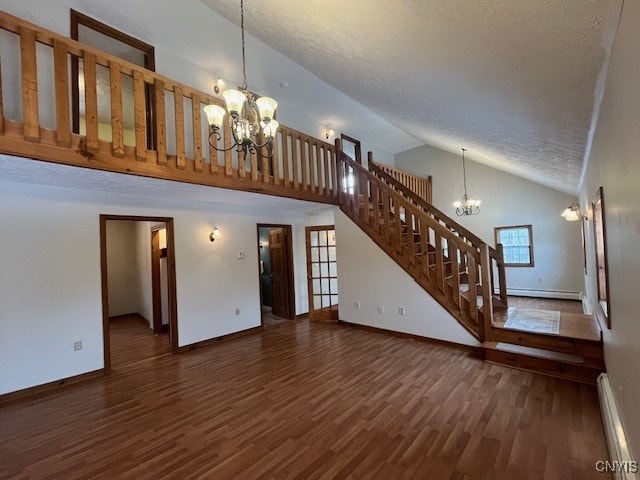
275 254
138 289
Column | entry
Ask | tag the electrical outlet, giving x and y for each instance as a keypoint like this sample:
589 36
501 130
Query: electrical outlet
381 309
402 311
539 280
240 255
77 345
357 305
237 311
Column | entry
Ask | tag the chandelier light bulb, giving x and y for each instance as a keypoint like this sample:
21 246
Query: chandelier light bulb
266 106
215 115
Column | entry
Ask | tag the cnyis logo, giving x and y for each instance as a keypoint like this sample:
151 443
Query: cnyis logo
617 467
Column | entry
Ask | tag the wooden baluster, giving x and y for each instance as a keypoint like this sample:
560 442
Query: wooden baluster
294 161
455 271
1 105
502 276
327 161
338 170
304 163
487 294
397 208
275 162
61 81
196 117
372 207
117 122
473 289
313 163
253 156
265 168
140 114
161 122
439 261
424 247
227 136
335 176
30 113
178 104
91 102
286 181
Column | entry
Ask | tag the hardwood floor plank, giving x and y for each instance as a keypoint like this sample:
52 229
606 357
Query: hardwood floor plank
308 400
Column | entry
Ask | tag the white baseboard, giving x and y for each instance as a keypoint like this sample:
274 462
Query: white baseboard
621 464
522 292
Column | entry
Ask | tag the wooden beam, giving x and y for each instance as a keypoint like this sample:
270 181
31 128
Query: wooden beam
161 122
140 115
197 132
178 104
91 102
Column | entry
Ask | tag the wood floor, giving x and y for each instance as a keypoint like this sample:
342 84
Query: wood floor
132 341
309 401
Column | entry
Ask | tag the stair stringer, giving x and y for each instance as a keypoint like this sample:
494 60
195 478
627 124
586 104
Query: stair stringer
369 275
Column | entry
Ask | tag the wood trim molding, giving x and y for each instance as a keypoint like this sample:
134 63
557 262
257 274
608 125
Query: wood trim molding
445 343
214 340
49 387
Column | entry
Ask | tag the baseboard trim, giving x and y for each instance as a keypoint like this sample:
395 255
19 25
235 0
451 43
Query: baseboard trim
211 341
436 341
49 387
558 294
621 465
301 316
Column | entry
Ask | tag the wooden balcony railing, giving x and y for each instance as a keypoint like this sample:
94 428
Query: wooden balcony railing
453 266
39 127
422 187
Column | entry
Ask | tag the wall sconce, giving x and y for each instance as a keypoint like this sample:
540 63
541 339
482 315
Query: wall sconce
572 213
329 133
215 233
219 85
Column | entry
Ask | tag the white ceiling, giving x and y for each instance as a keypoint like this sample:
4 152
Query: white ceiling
24 170
512 81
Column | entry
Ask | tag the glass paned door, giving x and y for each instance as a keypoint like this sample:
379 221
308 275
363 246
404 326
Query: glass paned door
322 272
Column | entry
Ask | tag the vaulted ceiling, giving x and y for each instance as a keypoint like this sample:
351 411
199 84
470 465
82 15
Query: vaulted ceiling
514 82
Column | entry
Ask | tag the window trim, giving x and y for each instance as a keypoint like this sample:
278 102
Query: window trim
601 257
496 233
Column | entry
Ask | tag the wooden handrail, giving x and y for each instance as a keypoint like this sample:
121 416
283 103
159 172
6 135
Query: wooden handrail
434 255
302 166
422 187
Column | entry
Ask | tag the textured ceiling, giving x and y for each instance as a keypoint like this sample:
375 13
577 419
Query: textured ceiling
512 81
22 170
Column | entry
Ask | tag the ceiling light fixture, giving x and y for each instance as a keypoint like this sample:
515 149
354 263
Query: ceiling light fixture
251 117
467 206
215 233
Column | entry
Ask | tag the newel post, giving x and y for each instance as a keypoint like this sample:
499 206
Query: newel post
487 293
340 170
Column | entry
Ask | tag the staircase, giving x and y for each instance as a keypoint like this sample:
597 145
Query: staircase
463 273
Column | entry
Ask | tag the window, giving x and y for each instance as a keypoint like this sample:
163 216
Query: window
517 243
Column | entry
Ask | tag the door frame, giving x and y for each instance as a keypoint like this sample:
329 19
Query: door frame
357 146
171 280
290 273
330 315
156 288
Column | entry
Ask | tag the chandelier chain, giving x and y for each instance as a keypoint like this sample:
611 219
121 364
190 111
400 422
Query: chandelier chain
244 60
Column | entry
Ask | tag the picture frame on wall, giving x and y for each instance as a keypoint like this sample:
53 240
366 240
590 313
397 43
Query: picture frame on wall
600 243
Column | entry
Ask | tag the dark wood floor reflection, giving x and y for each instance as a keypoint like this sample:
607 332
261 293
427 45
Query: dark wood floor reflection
309 401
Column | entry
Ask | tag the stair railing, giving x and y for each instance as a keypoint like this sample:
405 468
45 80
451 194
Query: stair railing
422 187
435 256
495 254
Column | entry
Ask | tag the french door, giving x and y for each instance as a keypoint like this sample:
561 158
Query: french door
322 273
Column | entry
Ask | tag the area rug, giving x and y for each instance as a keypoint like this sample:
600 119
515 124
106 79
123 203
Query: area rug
538 321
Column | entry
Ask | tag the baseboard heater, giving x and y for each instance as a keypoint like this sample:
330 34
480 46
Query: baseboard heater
621 464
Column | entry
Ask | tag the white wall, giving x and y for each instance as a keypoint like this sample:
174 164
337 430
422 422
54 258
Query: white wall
366 274
194 45
122 268
614 163
509 200
50 290
142 245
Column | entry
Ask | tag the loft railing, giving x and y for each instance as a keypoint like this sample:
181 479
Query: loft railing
498 271
422 187
449 266
115 98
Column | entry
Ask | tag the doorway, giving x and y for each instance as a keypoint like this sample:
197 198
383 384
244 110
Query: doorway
322 273
137 262
275 257
351 147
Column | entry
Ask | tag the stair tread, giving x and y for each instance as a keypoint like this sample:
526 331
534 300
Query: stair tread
534 352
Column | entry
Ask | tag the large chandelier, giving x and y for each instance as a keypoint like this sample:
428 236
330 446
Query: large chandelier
467 206
250 117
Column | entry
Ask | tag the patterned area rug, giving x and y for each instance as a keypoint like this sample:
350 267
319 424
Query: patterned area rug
539 321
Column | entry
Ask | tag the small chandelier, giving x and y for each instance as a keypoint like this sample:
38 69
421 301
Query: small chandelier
467 206
250 117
